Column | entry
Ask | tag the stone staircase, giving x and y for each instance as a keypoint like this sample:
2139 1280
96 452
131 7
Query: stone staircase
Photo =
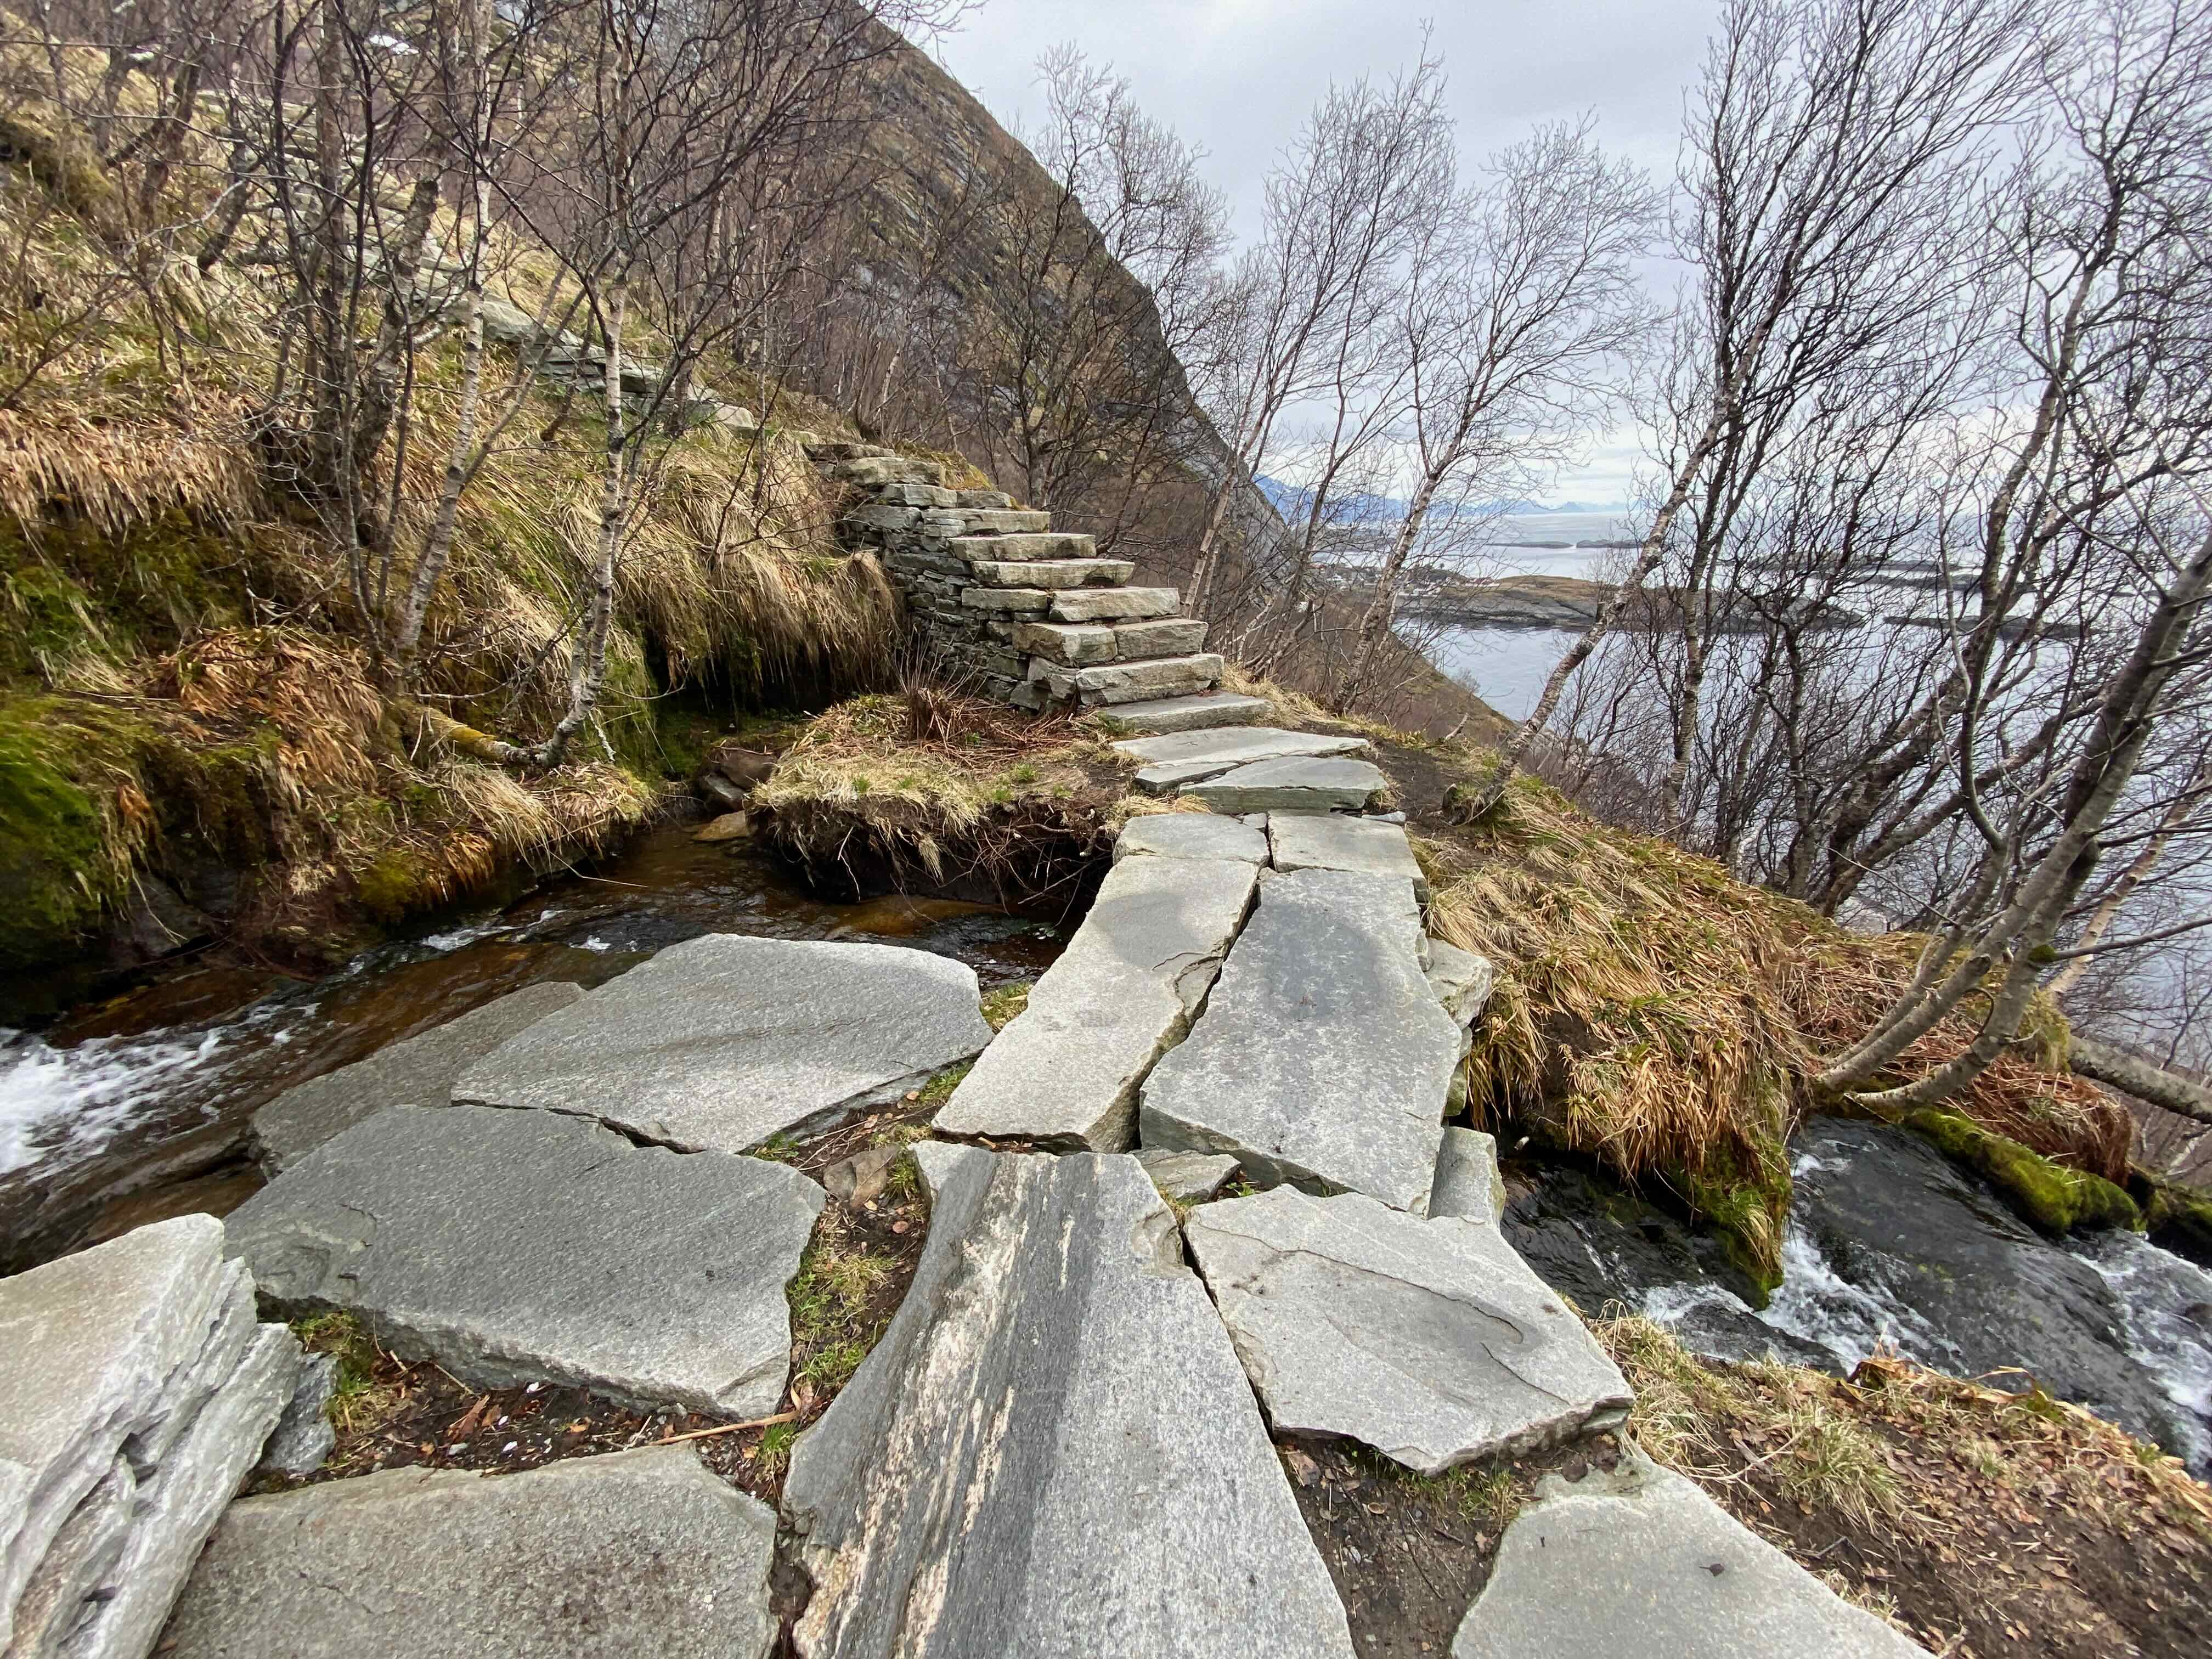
1033 614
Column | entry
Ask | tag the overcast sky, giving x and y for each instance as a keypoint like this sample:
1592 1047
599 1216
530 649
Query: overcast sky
1236 78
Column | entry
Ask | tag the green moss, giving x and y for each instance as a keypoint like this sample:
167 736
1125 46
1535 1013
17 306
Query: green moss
2048 1196
56 864
1745 1198
75 592
2180 1218
394 886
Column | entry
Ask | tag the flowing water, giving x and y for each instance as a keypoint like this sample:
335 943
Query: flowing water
137 1108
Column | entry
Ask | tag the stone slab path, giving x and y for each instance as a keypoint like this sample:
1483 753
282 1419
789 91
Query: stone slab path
523 1246
1639 1563
1064 1074
1294 785
726 1042
1312 841
1429 1341
635 1553
1052 1451
1323 1058
417 1072
1171 761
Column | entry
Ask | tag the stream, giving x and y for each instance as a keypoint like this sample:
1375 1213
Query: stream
136 1108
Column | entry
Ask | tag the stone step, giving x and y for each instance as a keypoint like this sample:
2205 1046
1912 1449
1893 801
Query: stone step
1169 636
1065 1075
1054 573
1111 683
1189 713
1115 605
999 523
1307 840
418 1071
1322 1059
1049 545
1636 1562
1007 601
639 1551
1181 758
1052 1448
1190 836
871 471
726 1041
520 1247
989 500
1429 1341
1294 785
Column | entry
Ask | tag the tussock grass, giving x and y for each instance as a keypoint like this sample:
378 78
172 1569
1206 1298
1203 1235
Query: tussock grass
1661 1017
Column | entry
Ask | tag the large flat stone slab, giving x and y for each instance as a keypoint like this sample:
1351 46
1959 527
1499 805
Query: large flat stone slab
1639 1563
136 1390
1115 604
519 1246
1468 1184
636 1553
417 1072
1189 714
1431 1342
1307 841
1294 785
1053 575
1112 684
1179 757
1190 836
1052 1451
1065 1073
1323 1059
726 1042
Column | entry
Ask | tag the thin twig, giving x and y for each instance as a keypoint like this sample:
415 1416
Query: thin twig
731 1428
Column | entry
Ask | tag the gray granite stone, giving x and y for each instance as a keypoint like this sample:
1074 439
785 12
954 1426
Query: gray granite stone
1294 785
1066 642
1431 1341
1165 636
1462 980
1053 574
726 1042
1322 1059
1639 1563
1187 713
1175 758
303 1437
641 1552
1188 1177
1467 1182
1309 841
1065 1073
1052 1452
417 1072
1114 604
520 1246
1112 684
1190 836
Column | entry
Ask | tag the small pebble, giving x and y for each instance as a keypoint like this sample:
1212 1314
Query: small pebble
457 1448
533 1387
898 1226
508 1447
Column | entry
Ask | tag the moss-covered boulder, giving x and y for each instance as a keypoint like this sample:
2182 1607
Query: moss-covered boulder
2178 1218
2048 1196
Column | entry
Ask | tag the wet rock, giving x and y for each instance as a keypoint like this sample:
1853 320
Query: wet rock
1294 785
1637 1562
640 1553
418 1071
1467 1182
1188 1177
731 826
1065 1073
1429 1340
1052 1448
136 1391
1190 836
1307 840
726 1042
523 1246
1323 1058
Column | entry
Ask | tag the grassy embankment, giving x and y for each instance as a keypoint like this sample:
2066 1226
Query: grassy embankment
185 697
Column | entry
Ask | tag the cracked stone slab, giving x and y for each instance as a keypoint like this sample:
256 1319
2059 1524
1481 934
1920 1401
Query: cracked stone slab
1188 1177
1323 1058
419 1071
1065 1072
1175 758
1639 1563
1467 1182
1429 1341
1190 836
637 1553
518 1246
136 1390
1294 784
725 1041
1305 840
1463 981
1053 1451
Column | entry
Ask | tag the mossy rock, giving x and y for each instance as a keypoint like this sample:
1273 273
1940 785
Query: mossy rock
2048 1196
54 864
1745 1198
2179 1218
